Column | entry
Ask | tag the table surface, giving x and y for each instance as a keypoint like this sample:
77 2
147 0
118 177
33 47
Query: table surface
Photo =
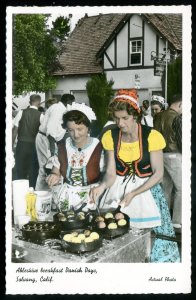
120 249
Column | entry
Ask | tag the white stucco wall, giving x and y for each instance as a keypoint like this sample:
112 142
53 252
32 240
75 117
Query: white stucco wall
75 85
122 47
149 44
161 45
126 78
110 53
69 83
135 26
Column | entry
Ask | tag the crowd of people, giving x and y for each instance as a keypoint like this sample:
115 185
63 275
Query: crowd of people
134 163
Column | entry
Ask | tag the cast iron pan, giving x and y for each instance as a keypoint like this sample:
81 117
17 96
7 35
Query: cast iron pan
111 233
39 231
80 247
72 222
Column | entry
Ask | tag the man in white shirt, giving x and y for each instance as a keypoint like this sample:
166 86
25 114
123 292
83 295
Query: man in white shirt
50 131
26 125
147 118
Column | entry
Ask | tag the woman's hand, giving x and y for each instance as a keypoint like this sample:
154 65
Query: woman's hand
95 192
53 179
127 199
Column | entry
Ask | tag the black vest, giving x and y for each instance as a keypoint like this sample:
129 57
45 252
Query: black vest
140 167
29 125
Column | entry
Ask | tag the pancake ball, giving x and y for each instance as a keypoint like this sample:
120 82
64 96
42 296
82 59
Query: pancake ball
80 217
87 232
88 239
76 240
70 213
81 236
70 218
122 222
119 216
101 224
112 226
60 215
109 215
67 237
74 234
94 235
62 219
99 219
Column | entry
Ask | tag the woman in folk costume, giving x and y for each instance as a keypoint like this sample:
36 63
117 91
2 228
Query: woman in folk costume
79 158
133 173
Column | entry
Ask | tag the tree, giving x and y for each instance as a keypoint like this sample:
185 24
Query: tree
174 78
100 92
35 54
61 28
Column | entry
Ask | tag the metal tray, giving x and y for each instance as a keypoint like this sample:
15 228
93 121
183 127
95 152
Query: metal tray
111 233
80 247
74 223
40 231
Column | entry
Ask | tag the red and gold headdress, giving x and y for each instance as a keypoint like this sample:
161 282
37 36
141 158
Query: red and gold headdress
128 96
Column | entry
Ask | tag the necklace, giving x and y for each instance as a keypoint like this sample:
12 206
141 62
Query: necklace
88 143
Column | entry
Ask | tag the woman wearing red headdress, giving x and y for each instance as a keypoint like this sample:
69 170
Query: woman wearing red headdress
134 171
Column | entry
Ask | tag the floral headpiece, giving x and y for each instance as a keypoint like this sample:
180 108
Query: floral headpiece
159 99
85 109
129 96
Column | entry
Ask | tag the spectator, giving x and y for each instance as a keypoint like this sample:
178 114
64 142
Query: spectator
41 109
26 125
172 180
147 118
50 131
146 107
50 101
177 127
157 105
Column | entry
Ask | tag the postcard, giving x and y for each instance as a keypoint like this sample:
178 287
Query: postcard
98 160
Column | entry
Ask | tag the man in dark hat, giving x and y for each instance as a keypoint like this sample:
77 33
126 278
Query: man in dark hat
26 125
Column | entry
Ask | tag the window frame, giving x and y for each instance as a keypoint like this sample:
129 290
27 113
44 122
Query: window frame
140 52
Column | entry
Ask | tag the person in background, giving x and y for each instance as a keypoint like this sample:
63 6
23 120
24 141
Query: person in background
26 125
49 132
133 172
146 110
172 180
79 158
50 102
157 105
146 107
177 128
41 109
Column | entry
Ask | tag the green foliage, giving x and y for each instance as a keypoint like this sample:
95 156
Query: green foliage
61 28
100 92
35 54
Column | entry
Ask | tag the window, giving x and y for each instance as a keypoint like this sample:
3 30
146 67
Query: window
136 53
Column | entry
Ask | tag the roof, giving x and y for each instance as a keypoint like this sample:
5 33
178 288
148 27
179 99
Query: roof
79 56
170 26
92 33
